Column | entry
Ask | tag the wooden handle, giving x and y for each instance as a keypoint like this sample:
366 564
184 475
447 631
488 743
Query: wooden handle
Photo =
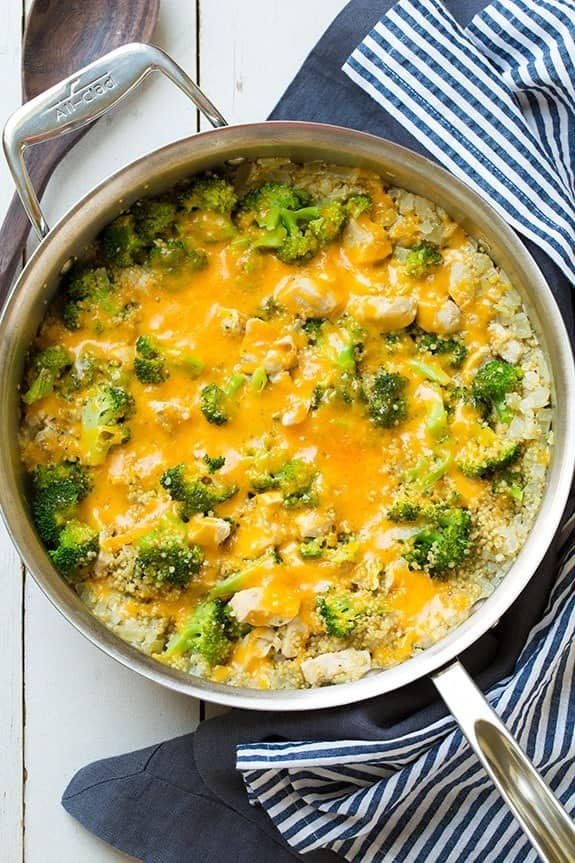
41 162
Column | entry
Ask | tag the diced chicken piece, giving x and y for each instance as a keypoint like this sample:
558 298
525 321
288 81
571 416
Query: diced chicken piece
503 342
265 639
461 284
294 637
474 360
208 530
170 414
365 242
258 338
340 667
442 320
257 606
256 645
366 574
448 318
389 314
512 351
231 321
265 524
244 602
302 295
281 356
313 524
296 413
262 347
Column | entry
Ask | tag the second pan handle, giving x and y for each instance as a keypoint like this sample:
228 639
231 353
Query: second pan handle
82 98
546 823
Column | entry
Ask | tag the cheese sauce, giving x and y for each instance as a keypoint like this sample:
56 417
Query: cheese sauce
295 350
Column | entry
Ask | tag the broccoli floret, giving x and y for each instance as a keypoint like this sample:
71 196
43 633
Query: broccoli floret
295 230
244 577
78 547
176 256
435 415
509 483
90 368
421 260
341 612
259 379
265 205
391 340
88 293
431 371
329 221
269 308
311 549
204 633
147 231
444 544
465 396
46 368
196 493
296 481
403 510
425 473
353 331
492 383
452 347
56 492
346 550
213 404
154 218
232 626
358 204
149 364
349 387
214 463
166 558
210 192
104 422
308 229
120 242
152 363
312 327
487 454
387 404
317 396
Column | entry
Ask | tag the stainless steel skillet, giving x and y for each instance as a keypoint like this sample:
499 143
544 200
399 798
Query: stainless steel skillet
81 99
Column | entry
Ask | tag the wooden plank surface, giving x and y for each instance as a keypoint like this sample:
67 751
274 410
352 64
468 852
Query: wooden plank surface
11 575
79 704
251 50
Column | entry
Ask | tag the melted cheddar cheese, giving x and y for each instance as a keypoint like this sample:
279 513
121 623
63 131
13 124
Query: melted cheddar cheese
295 350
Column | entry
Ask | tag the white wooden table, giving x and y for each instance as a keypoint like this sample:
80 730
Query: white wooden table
62 702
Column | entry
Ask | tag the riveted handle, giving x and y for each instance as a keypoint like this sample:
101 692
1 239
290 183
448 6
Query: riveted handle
82 98
545 822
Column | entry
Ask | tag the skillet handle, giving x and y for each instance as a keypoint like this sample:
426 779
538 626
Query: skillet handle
541 816
81 99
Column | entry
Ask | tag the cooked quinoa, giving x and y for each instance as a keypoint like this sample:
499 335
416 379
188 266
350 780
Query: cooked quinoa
285 424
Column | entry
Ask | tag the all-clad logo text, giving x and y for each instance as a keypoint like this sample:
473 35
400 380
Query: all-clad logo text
83 95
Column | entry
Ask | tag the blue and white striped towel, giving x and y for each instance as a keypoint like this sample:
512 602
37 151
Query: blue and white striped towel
425 797
495 104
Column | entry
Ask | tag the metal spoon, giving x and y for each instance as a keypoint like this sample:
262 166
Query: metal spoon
62 36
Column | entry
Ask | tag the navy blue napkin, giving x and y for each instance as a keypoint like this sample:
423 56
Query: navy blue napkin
183 800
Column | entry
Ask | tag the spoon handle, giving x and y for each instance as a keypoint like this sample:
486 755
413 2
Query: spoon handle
41 162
